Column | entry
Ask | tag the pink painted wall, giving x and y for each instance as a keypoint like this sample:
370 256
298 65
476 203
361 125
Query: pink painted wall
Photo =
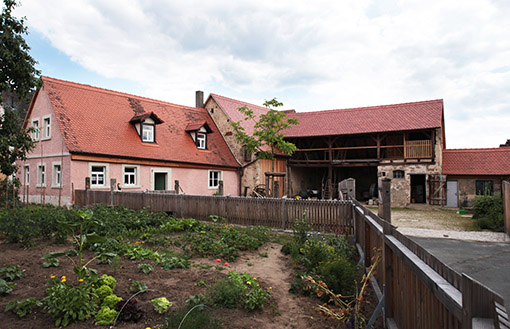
52 150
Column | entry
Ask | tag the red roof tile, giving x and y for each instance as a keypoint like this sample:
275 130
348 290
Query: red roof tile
95 120
192 126
397 117
490 161
230 106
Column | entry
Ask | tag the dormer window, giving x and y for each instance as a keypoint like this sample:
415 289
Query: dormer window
198 131
201 141
145 125
148 133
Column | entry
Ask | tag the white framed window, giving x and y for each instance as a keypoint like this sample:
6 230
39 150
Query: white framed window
214 178
46 127
147 133
27 175
35 133
398 174
41 175
201 141
98 176
56 175
130 176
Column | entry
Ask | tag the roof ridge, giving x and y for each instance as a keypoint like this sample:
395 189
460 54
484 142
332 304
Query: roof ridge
110 91
502 149
371 107
238 101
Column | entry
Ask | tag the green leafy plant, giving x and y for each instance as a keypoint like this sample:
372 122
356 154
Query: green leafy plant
137 286
103 291
67 303
195 300
237 290
107 280
111 301
169 262
300 230
340 275
316 252
6 287
11 272
145 268
106 316
51 259
23 307
161 304
191 317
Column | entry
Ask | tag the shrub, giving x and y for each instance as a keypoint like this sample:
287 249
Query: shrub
339 275
316 252
293 249
489 212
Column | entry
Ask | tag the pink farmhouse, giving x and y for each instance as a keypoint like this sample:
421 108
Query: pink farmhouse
144 144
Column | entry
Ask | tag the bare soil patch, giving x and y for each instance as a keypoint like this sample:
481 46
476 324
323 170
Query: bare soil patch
283 309
428 217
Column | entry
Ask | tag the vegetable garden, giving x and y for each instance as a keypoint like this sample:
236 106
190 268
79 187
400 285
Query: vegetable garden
137 269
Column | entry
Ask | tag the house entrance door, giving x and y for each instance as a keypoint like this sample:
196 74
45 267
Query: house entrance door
418 192
160 181
452 194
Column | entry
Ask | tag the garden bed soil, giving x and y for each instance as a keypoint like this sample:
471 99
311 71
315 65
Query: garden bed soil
282 310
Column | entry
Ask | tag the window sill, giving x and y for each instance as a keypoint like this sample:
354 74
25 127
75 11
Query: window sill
41 186
130 186
57 186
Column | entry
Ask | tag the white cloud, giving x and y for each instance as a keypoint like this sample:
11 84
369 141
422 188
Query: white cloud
311 55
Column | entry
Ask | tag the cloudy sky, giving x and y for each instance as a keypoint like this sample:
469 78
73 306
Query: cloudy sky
311 55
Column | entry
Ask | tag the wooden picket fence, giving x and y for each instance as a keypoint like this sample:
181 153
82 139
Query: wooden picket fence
417 289
330 216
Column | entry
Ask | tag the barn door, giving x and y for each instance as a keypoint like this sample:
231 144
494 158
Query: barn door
437 189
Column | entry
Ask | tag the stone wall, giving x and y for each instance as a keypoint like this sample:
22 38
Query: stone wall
467 187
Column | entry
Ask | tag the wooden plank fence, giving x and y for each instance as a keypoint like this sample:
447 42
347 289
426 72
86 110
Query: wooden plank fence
419 290
506 202
324 215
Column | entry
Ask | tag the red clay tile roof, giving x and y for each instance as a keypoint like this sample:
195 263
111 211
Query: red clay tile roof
397 117
95 120
230 106
192 126
489 161
145 115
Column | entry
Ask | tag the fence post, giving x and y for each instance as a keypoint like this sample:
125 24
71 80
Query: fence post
506 202
176 187
467 302
388 272
220 187
276 192
283 209
113 183
385 199
87 187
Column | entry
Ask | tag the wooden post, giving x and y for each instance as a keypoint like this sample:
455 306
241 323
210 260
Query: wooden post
506 202
220 187
87 188
176 186
113 184
276 190
388 272
467 302
385 199
267 185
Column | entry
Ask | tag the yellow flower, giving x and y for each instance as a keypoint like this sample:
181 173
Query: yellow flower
52 277
143 241
93 285
63 276
64 280
81 280
255 279
136 242
270 288
248 282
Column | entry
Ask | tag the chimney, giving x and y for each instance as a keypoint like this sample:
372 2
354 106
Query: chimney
199 99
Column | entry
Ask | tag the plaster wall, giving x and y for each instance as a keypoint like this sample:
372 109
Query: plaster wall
467 187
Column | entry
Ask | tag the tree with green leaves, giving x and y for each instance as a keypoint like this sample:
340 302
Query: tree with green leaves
17 67
17 75
267 139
